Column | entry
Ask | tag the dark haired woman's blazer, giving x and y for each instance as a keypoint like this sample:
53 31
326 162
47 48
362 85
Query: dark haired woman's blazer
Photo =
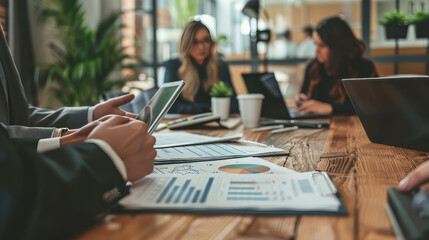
321 93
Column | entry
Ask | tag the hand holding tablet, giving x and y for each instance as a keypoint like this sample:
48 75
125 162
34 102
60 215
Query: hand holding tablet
159 104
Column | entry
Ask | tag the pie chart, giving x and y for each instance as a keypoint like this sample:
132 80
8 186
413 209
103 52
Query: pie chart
244 168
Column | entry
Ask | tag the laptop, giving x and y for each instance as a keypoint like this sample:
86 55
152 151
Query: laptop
393 110
273 105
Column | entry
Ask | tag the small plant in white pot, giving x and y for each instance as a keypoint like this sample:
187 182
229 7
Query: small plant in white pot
221 99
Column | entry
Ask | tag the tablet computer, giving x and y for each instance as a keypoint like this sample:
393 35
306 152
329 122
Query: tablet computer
160 103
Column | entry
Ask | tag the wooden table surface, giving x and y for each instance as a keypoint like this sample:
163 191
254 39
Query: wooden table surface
361 170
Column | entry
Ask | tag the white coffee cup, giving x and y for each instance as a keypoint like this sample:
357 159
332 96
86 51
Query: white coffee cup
250 108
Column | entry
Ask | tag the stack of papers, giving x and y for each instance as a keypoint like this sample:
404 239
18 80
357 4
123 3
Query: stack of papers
216 151
201 174
237 193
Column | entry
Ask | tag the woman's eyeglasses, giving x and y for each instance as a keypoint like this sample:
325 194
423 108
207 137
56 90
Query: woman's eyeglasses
205 42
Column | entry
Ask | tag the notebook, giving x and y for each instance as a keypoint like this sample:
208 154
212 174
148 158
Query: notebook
273 105
393 110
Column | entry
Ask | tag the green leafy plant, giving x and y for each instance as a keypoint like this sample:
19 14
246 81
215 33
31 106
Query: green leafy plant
419 16
85 58
185 10
395 17
222 40
220 89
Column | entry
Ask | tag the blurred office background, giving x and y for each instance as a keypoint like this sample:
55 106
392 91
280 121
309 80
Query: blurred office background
152 30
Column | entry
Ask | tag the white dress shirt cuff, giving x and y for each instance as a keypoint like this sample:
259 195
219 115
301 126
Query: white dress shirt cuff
112 154
91 114
48 144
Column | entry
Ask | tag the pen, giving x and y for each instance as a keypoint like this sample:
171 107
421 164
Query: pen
260 129
286 129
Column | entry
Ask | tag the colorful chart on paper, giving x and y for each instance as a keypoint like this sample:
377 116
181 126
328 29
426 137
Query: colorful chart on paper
244 168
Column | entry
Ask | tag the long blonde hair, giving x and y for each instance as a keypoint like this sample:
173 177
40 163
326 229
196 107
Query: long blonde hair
187 70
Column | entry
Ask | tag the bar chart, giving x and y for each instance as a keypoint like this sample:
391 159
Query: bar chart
239 191
184 192
178 190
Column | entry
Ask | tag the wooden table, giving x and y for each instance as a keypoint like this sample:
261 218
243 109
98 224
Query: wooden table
361 170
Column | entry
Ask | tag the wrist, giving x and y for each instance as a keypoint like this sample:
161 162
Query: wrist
331 109
71 139
68 132
64 140
95 112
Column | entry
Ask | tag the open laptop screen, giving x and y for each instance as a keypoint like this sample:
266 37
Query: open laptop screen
273 105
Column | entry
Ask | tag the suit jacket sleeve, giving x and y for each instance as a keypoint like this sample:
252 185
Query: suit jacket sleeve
15 110
16 131
70 117
56 194
24 142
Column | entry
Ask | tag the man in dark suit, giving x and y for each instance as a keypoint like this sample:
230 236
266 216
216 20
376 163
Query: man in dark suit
22 120
59 193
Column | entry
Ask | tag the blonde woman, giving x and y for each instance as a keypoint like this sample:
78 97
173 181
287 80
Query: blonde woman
199 68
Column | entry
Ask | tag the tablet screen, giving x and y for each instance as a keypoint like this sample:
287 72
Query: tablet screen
159 104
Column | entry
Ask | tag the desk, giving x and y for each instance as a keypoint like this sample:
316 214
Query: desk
362 172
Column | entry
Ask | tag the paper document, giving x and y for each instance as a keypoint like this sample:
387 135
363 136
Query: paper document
298 191
176 139
216 151
249 165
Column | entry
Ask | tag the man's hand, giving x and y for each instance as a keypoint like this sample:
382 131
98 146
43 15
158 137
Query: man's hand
81 134
314 106
417 177
130 140
111 106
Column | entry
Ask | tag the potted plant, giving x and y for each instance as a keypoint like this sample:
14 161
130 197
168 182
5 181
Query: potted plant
85 58
396 24
221 99
184 11
421 20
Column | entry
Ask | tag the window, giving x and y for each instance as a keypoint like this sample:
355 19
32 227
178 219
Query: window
227 22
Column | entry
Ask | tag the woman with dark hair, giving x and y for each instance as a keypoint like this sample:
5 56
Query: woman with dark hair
339 54
199 68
